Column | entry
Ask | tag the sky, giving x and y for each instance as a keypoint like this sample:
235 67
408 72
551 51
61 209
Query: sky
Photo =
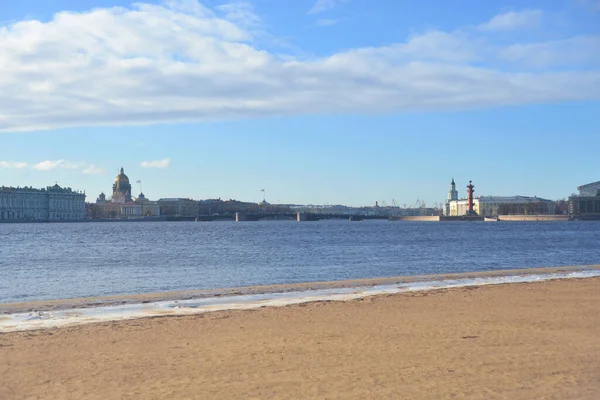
315 101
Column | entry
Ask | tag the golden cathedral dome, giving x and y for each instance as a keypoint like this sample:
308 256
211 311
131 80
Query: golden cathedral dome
122 178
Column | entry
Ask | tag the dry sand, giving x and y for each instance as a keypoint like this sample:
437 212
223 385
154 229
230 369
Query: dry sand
516 341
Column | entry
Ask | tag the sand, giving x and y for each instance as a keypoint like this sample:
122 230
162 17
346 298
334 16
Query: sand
517 341
121 299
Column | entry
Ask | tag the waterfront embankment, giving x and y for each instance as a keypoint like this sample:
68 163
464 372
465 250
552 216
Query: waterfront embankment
477 218
518 341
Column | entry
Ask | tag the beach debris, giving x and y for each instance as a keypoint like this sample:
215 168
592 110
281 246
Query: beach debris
40 315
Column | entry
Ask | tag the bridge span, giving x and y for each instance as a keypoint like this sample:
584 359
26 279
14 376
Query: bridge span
240 217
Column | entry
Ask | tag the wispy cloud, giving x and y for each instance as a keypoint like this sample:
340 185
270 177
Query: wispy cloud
164 163
324 5
180 61
242 13
591 5
13 165
48 165
327 22
93 170
580 50
513 20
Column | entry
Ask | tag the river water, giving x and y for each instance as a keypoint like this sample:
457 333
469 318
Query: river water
54 261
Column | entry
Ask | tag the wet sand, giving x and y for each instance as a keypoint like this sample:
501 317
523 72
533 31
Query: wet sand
517 341
116 300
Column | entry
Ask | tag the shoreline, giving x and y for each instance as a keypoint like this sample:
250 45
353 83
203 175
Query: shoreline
517 341
141 298
67 313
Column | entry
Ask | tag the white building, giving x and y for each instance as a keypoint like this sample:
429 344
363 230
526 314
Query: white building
587 203
501 205
53 203
497 205
452 196
591 189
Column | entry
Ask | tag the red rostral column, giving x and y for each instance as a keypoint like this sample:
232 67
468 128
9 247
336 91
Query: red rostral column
470 190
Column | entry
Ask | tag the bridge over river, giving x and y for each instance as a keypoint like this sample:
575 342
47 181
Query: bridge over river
275 217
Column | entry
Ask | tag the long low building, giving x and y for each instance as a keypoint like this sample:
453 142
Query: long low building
53 203
178 207
502 205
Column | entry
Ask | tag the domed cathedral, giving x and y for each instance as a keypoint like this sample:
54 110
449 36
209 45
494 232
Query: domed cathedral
121 188
122 205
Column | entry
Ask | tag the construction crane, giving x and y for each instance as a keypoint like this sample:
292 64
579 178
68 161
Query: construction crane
419 204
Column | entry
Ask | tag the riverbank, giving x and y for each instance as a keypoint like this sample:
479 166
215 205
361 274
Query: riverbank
523 341
116 300
503 218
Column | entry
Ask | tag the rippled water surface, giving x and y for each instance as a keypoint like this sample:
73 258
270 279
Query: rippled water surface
50 261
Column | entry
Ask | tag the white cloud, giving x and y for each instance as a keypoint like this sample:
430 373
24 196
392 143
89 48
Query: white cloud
513 20
180 61
72 165
93 170
580 50
327 22
13 165
324 5
48 165
242 13
164 163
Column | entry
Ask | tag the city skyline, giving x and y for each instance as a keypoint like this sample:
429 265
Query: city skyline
289 98
419 203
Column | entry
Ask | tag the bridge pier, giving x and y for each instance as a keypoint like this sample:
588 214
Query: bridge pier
306 217
240 217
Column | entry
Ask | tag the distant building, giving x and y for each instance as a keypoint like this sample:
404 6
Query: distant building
503 205
121 189
121 204
227 207
590 190
452 196
178 207
497 205
587 203
53 203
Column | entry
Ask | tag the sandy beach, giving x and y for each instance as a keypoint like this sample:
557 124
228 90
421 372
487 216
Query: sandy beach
518 341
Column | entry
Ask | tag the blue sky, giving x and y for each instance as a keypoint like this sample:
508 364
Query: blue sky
330 101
